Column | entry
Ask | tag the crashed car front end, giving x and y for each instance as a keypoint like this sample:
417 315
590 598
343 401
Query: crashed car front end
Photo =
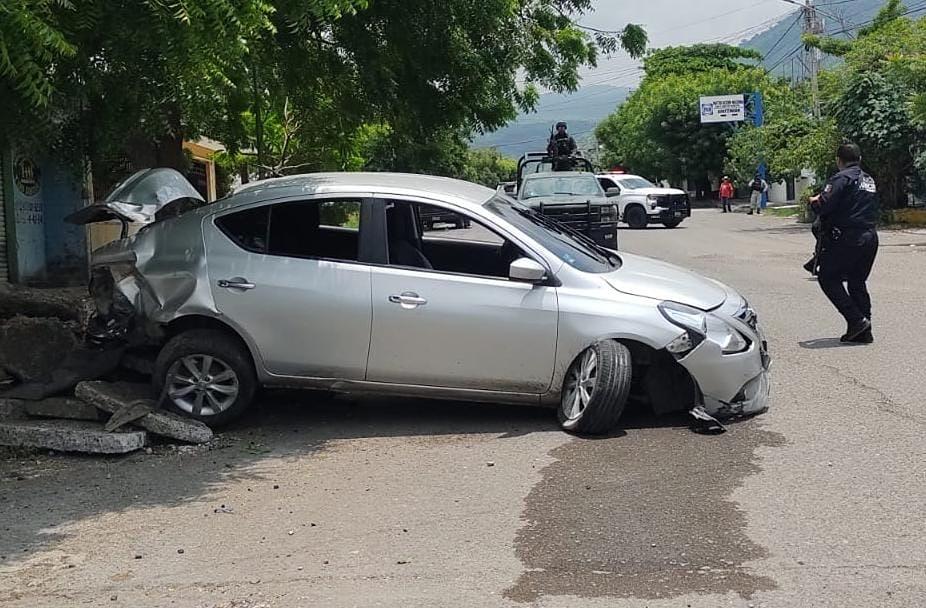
726 353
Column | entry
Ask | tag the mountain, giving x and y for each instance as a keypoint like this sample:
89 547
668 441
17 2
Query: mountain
583 110
781 43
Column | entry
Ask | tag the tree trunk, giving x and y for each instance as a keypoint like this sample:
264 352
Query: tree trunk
892 189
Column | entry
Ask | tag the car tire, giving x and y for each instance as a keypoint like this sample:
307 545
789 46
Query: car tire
672 224
635 217
605 368
212 356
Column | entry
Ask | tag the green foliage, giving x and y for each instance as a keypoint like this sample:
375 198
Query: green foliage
31 41
878 98
488 167
658 132
788 145
682 60
287 85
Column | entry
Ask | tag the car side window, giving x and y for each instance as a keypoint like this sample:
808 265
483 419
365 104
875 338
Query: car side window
301 229
248 228
607 183
433 238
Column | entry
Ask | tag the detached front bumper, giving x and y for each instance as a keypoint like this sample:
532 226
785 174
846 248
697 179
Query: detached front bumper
732 385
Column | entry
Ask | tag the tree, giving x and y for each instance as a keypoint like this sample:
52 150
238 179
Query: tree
297 83
878 97
488 167
658 132
31 41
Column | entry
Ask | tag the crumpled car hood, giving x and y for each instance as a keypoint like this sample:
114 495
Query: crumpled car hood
649 278
139 198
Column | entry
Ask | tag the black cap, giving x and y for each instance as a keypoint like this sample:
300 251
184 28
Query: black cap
561 124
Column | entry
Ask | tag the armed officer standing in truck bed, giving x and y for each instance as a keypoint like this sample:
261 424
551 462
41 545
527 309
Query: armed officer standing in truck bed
848 211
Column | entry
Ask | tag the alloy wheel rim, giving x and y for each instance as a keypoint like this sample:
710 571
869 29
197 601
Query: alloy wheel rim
202 385
580 385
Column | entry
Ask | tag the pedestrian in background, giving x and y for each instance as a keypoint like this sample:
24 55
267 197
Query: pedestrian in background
848 211
726 194
758 186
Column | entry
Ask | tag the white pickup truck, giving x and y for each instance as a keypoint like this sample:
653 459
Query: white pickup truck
642 203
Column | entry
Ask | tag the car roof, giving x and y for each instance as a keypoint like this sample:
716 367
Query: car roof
395 184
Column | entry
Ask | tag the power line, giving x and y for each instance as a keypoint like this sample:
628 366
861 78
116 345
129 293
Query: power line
783 36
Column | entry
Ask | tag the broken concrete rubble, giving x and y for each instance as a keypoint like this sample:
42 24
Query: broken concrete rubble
11 409
111 397
32 348
69 436
67 304
80 364
61 407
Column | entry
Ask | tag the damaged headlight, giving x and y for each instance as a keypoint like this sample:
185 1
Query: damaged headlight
698 326
692 320
730 340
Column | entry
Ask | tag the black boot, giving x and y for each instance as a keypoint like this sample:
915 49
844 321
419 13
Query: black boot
856 331
811 265
866 337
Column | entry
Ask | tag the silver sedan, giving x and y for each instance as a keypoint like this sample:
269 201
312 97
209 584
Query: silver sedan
331 281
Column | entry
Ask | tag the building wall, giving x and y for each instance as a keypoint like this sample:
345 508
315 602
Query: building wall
28 218
65 244
41 248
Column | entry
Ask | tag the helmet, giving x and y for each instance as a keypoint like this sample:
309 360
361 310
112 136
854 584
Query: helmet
561 124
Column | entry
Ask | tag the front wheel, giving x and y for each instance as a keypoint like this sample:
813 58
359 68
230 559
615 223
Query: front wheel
596 389
635 217
206 375
672 223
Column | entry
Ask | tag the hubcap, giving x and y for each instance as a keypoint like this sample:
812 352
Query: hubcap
202 385
580 385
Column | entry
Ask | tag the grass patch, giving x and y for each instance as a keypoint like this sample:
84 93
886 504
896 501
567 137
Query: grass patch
783 211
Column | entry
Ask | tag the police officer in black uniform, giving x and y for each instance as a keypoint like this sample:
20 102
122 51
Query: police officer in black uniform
848 211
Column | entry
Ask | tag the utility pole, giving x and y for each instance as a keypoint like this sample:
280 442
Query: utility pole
813 24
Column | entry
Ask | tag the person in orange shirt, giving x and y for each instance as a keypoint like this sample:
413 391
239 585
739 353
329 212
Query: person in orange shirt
726 194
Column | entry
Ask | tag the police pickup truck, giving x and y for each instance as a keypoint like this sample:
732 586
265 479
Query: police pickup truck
642 203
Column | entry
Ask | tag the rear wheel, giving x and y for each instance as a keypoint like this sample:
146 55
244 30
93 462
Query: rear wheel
672 223
596 389
636 217
205 374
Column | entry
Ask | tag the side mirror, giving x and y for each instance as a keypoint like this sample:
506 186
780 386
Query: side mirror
612 192
527 270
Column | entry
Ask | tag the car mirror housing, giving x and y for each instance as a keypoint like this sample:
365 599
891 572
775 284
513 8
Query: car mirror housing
611 192
527 270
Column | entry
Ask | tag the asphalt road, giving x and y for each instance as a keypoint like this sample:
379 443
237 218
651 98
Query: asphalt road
307 502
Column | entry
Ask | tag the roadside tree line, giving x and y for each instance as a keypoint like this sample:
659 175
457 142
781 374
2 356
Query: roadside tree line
875 96
286 85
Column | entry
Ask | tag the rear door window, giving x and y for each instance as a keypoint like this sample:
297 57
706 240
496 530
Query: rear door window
302 229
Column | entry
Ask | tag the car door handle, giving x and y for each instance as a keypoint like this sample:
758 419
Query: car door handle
236 283
408 300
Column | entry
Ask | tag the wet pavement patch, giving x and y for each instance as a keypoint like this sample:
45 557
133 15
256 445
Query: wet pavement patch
645 515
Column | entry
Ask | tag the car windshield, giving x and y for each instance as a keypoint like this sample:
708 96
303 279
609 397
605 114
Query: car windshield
559 185
635 183
566 244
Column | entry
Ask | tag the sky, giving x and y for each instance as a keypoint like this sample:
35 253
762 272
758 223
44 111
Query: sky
674 22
